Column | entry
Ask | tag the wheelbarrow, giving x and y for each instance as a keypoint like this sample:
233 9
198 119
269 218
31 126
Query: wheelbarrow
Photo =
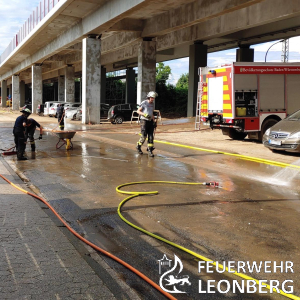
65 139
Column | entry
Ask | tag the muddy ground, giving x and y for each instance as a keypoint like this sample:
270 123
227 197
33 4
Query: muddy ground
180 131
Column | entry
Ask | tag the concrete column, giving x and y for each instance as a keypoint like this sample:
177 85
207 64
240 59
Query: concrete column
61 88
37 87
245 54
91 80
197 59
146 69
69 84
22 93
15 92
103 85
130 86
3 93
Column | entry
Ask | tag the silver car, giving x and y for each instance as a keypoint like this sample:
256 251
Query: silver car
72 112
284 135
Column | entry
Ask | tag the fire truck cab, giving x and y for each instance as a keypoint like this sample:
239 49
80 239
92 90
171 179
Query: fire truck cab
248 98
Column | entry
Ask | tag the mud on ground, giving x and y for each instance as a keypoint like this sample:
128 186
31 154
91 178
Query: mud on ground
181 131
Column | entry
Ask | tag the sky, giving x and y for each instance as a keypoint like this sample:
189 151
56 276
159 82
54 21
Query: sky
14 13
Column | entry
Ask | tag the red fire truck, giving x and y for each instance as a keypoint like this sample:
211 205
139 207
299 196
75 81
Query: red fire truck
247 98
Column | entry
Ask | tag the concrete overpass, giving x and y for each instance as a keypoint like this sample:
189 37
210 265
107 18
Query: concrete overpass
91 37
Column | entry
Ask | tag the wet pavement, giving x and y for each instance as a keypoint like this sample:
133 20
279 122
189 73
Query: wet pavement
253 216
39 258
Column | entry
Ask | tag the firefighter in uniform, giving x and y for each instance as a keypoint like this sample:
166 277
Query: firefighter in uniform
29 132
147 122
19 133
61 116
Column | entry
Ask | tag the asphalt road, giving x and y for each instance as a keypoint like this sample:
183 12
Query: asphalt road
253 215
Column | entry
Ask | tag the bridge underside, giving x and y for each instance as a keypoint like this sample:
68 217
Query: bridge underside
87 38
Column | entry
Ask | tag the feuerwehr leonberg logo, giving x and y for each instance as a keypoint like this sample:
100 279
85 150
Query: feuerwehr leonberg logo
172 277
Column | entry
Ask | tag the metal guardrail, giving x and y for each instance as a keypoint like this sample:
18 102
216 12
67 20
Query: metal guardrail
37 16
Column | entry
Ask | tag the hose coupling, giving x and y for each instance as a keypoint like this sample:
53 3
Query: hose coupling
212 183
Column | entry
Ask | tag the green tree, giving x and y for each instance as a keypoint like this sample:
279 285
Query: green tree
162 73
172 101
183 81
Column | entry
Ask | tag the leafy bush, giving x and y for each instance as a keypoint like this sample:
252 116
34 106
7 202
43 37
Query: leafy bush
171 101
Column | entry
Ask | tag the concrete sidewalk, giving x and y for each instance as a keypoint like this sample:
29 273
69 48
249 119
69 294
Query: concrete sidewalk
40 259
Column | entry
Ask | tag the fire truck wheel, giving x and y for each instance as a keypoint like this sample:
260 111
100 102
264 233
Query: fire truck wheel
266 125
235 135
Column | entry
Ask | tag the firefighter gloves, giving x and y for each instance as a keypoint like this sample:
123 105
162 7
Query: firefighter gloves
40 137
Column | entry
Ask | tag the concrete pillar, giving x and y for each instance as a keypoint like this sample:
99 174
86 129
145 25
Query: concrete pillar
146 69
91 80
103 85
22 93
130 86
69 84
61 88
15 92
37 87
245 54
3 93
197 58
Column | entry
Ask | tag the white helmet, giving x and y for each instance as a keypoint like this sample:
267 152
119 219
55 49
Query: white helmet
152 94
26 110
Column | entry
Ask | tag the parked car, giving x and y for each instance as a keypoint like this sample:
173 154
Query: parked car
40 109
72 112
68 106
284 135
104 108
47 106
53 107
121 112
78 114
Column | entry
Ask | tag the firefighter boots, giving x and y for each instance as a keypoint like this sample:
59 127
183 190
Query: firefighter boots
139 150
21 150
150 151
20 156
23 158
33 147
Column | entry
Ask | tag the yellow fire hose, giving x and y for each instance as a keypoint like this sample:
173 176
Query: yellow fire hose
201 257
245 157
136 194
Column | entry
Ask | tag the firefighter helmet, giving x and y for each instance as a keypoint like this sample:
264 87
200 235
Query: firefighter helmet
152 94
26 110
